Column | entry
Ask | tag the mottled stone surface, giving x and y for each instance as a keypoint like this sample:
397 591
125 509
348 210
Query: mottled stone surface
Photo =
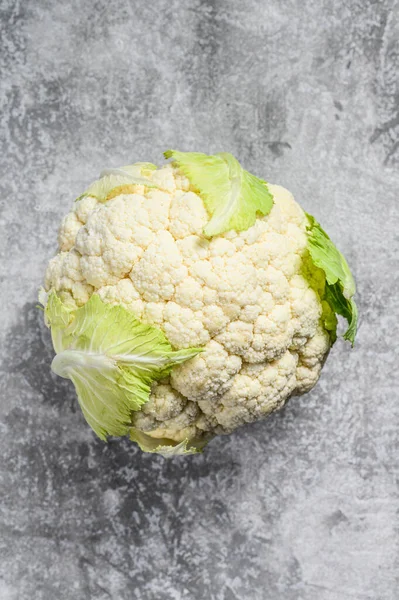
303 506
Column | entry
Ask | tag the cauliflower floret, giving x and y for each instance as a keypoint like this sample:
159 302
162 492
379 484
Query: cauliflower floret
123 293
257 391
192 249
160 269
68 231
207 375
187 215
64 274
180 427
164 177
84 207
113 239
249 299
183 327
176 428
165 402
73 221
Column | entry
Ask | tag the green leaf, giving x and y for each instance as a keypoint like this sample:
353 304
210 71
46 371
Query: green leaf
114 182
340 286
327 256
232 196
56 316
344 307
166 447
146 168
330 322
112 359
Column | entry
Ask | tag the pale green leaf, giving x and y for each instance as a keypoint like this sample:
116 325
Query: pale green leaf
112 359
121 180
232 196
167 447
340 285
57 316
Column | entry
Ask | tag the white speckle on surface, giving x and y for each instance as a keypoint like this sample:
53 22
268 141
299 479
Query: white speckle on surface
303 506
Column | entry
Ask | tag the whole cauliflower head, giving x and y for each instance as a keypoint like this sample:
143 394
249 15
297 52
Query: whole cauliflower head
246 288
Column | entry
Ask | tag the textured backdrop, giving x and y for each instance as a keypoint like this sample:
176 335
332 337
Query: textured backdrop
303 506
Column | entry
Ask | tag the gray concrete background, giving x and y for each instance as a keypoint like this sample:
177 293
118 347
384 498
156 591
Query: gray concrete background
303 506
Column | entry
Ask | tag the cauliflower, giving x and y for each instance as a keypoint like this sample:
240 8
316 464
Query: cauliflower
190 299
